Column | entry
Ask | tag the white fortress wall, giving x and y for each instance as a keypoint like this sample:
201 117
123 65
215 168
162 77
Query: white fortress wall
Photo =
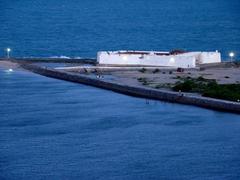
210 57
171 60
183 61
111 58
205 57
118 59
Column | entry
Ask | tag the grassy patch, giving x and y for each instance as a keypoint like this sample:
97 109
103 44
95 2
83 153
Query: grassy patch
158 86
225 91
209 88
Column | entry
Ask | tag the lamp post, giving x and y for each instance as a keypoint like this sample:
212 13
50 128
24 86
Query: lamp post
231 55
8 52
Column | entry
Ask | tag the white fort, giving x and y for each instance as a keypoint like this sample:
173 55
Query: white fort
174 58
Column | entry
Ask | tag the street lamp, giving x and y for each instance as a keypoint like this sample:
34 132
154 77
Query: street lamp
8 52
231 55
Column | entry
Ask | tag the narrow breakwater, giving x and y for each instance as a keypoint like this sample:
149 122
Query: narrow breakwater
164 95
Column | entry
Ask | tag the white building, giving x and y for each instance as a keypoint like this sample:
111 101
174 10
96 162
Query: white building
155 58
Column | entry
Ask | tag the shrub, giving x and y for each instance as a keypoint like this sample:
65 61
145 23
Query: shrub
186 86
158 86
143 70
200 78
141 79
144 81
155 71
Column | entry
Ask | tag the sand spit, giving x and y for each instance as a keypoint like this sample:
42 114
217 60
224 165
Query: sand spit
138 91
127 82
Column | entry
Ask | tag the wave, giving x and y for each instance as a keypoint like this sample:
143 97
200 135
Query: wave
60 57
57 57
67 57
78 57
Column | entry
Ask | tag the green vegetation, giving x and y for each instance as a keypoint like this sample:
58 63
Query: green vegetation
227 91
156 71
144 81
150 83
143 70
158 86
209 88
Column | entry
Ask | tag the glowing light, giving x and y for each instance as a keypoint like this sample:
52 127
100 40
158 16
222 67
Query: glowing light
231 54
125 57
9 71
172 60
8 50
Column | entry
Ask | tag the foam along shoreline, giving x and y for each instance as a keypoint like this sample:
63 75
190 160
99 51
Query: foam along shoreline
50 60
144 92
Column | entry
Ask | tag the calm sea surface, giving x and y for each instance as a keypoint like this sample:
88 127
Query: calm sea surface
59 130
51 129
80 28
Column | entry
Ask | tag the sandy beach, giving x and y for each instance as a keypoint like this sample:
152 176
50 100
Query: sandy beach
162 77
9 65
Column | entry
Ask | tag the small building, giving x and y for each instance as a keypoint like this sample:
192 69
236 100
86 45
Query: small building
157 58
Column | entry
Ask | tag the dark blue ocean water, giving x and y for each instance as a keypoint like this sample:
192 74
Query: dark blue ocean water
51 129
80 28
